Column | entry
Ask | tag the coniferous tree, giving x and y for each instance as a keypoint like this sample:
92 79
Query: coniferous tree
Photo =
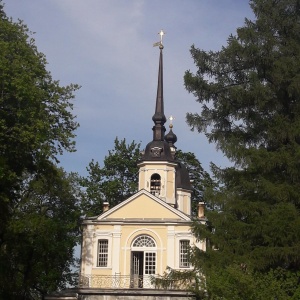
250 96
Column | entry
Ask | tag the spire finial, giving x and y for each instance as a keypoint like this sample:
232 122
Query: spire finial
161 33
159 117
160 43
171 119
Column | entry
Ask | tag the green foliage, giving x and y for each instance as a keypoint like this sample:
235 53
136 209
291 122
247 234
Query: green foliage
38 209
180 280
36 123
116 181
37 246
249 91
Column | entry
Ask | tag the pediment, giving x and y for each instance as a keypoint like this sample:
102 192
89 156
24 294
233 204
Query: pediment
144 206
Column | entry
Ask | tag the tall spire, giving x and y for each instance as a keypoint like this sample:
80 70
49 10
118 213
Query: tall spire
159 117
158 149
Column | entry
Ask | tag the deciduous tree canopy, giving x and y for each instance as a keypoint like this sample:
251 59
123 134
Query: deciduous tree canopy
115 181
38 209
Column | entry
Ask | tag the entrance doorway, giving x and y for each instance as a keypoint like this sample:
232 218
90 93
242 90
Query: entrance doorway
137 268
143 262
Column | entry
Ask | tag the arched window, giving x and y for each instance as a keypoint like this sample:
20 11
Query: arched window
155 184
143 241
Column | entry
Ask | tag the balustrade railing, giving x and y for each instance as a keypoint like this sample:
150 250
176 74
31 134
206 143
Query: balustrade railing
129 281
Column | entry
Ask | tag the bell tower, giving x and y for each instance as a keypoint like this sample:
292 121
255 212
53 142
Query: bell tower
159 171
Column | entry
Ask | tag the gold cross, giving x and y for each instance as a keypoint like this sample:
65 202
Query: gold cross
161 33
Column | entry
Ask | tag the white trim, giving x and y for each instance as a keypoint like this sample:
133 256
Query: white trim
150 162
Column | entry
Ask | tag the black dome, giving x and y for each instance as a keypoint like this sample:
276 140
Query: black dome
158 151
171 137
182 177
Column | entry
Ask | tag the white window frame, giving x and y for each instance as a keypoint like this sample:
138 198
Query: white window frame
179 236
102 236
184 262
149 267
102 252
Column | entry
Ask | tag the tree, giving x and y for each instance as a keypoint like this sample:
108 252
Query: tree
249 91
36 125
37 257
116 181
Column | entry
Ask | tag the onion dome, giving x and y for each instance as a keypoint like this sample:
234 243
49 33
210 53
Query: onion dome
171 137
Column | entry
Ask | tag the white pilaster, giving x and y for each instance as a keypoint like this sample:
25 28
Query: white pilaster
170 247
87 253
116 249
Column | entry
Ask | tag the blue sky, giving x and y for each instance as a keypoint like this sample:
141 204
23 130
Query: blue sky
106 47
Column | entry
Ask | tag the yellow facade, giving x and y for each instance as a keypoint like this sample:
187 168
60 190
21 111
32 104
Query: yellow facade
143 215
143 208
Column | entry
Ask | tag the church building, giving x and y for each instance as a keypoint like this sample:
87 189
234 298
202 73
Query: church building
127 247
144 235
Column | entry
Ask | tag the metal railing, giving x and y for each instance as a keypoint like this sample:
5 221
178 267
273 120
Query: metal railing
130 282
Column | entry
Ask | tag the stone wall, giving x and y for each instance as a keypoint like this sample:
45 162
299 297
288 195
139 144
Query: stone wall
120 294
